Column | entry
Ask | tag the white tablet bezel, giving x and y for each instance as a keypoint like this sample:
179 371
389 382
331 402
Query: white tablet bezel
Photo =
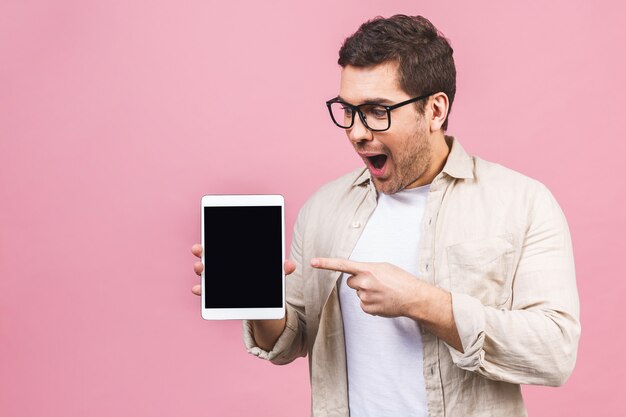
243 200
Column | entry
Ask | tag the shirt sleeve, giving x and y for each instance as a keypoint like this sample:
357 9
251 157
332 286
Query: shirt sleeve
536 341
291 344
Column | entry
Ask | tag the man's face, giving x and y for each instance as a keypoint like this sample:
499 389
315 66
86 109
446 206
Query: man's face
397 157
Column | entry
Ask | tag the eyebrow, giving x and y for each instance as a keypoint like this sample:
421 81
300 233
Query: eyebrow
374 100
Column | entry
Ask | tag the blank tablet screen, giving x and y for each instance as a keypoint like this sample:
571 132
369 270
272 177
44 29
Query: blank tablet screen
243 257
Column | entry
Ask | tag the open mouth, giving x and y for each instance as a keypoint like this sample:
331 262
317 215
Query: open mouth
378 161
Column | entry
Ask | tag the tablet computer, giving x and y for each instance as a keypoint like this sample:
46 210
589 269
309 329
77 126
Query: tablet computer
243 241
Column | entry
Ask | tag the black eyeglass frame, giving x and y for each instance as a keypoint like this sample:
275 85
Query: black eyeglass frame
357 109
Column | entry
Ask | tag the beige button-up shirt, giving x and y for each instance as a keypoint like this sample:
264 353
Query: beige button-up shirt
495 239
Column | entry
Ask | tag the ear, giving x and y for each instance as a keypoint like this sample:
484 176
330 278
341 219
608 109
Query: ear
438 106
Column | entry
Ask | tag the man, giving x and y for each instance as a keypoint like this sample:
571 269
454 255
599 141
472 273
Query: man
430 282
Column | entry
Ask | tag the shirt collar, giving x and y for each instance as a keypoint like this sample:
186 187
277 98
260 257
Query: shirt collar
458 165
362 178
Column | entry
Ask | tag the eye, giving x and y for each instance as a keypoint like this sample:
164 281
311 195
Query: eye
377 112
346 110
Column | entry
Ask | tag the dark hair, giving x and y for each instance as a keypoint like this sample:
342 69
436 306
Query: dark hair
423 54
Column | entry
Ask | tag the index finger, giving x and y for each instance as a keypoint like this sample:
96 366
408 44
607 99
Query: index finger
336 264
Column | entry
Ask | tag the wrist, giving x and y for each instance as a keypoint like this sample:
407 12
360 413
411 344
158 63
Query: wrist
266 332
428 304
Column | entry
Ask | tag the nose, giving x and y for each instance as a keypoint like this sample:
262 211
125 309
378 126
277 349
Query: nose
358 132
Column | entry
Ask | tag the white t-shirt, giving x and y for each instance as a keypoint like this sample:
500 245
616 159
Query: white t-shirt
384 355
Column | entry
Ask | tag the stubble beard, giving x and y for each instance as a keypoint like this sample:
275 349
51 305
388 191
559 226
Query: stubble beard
410 164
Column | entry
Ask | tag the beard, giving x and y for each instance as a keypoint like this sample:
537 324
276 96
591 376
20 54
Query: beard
410 163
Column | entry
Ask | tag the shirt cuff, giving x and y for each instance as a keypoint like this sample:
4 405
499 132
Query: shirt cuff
283 343
469 317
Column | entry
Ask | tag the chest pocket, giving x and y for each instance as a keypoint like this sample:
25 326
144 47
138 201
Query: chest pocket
483 269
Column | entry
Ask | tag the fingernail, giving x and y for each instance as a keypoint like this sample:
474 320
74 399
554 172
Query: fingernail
315 262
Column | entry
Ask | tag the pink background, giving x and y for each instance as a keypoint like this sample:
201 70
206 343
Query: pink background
117 116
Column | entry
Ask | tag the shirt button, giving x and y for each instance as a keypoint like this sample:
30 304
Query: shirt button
356 225
430 221
426 267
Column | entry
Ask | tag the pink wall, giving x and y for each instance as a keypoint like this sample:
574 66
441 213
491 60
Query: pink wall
116 116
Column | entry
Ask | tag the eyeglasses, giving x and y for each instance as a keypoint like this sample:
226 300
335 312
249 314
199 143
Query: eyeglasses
375 117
